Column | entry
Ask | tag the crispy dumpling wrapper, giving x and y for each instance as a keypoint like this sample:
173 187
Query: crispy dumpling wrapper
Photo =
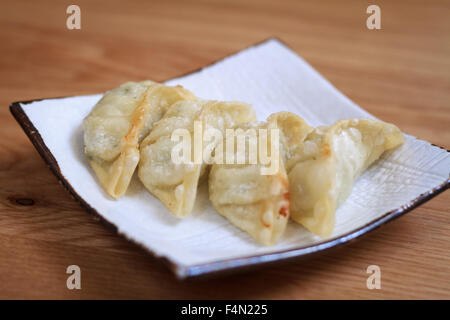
116 125
256 203
293 132
175 184
325 162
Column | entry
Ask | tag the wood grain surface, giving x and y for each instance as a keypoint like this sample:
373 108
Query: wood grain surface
401 74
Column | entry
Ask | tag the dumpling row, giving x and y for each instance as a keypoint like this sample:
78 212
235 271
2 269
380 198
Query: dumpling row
321 165
118 123
131 127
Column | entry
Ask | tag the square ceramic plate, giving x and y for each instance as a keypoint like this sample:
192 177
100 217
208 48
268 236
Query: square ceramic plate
273 78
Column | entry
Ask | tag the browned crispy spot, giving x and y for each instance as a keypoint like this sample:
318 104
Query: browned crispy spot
284 211
326 151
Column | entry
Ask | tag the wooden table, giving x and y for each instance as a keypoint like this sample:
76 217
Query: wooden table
400 74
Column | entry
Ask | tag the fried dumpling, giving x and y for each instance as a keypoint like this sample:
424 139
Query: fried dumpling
325 162
175 183
116 125
252 201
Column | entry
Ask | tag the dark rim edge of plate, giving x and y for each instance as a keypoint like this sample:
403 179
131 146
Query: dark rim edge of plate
37 141
234 264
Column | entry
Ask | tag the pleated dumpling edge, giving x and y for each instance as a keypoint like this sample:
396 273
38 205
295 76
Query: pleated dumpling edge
331 159
175 184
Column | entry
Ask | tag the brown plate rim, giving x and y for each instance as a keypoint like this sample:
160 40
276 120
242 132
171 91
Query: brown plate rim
225 265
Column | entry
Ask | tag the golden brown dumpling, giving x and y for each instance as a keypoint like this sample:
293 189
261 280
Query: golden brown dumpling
175 184
324 163
254 202
116 125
